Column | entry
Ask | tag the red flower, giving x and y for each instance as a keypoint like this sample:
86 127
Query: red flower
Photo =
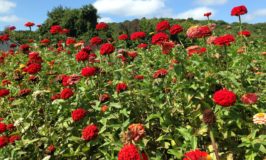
224 98
56 96
95 41
208 14
175 29
195 50
249 98
159 38
5 82
104 97
121 87
89 71
4 92
137 35
3 141
244 33
66 93
45 41
101 26
51 149
55 29
132 54
70 41
106 49
167 47
143 45
104 108
139 77
90 132
82 56
14 138
24 92
34 57
70 80
2 127
64 31
224 40
129 152
25 48
29 24
10 127
78 114
123 37
239 10
33 68
86 49
162 26
195 155
160 73
12 28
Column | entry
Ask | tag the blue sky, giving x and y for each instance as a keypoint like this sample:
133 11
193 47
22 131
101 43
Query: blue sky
17 12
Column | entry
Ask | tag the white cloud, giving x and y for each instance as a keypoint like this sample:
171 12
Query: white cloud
6 5
138 8
106 19
197 13
211 2
9 19
260 13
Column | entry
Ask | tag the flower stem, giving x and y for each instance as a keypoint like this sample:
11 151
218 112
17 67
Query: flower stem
215 148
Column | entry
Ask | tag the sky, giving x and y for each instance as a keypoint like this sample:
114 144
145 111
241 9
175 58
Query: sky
17 12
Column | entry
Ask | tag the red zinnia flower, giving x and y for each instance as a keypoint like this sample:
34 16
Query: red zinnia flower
101 26
12 28
56 96
14 138
78 114
4 92
162 26
90 132
82 56
33 68
104 97
55 29
123 37
45 41
159 38
95 41
224 98
66 93
143 45
244 33
167 47
24 92
208 14
25 48
129 152
121 87
137 35
195 155
139 77
3 141
50 149
29 24
224 40
2 127
249 98
239 10
106 49
70 41
10 127
89 71
160 73
195 50
175 29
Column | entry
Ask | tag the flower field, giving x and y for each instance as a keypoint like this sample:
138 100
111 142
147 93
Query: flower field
177 93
